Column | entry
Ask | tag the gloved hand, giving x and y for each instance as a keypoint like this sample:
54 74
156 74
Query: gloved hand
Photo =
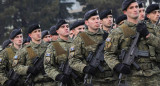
90 70
142 29
122 68
9 83
63 78
32 70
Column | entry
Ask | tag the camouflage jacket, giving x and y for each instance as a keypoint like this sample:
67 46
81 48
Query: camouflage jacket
117 41
53 58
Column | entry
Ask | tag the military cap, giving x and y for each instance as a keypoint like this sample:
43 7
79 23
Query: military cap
105 13
14 33
44 33
126 3
140 4
151 8
76 24
90 13
33 27
6 43
52 30
121 18
60 22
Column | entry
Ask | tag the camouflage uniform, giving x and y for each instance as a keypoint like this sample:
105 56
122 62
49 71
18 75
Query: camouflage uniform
23 59
120 39
79 52
55 55
6 62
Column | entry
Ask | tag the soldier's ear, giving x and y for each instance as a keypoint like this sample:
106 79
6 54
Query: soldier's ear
148 16
86 22
125 12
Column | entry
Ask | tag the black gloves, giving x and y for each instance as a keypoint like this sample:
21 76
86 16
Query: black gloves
63 78
122 68
90 70
32 70
142 29
10 83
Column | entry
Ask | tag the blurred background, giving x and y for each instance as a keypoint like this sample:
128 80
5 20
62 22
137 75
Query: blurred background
21 13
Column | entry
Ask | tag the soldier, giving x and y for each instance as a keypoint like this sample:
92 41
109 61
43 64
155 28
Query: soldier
120 20
56 54
141 11
87 42
153 13
106 20
46 36
120 39
6 43
76 27
53 33
6 57
24 60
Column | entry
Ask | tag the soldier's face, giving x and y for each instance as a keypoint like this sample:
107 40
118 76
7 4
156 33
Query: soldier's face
108 21
18 40
36 35
78 29
71 33
132 11
47 38
154 15
141 14
93 22
63 30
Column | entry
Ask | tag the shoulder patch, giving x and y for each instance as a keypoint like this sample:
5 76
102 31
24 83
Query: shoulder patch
108 39
48 54
15 57
108 43
72 48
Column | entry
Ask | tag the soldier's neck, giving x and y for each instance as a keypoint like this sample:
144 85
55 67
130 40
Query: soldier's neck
63 37
107 29
36 41
134 21
93 30
17 46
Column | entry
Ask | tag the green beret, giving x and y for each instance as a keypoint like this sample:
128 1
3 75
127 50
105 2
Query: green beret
90 13
14 33
76 24
126 3
105 13
33 27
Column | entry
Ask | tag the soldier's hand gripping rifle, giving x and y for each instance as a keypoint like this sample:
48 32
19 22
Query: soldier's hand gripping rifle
128 57
38 65
13 78
95 60
67 70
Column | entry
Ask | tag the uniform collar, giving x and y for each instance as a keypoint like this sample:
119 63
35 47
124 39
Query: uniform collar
35 45
130 24
61 40
91 33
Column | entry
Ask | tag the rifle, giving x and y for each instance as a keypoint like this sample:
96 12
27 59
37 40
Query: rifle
12 75
133 52
38 64
67 70
95 60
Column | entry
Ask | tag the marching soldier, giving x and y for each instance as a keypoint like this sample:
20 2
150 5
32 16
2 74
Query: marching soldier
85 43
6 58
56 55
25 60
141 11
121 38
76 27
46 36
53 33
